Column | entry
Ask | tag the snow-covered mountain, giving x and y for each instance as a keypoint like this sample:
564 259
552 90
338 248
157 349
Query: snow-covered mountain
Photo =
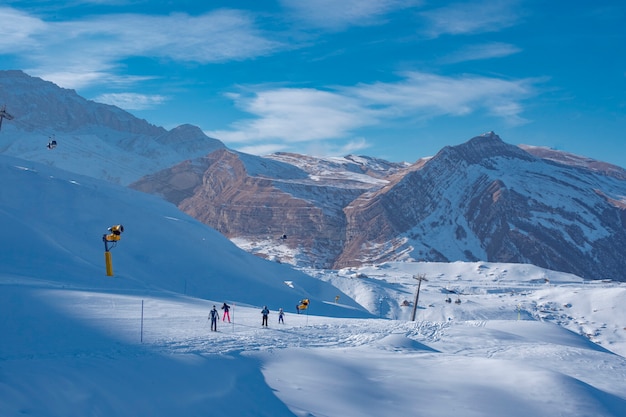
488 200
93 139
514 340
482 200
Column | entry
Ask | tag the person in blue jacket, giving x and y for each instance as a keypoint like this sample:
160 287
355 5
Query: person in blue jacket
265 312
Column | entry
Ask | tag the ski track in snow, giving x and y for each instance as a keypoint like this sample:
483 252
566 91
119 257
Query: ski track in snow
235 337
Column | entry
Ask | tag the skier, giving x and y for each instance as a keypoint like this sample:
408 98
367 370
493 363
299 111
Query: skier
226 308
281 314
265 313
213 316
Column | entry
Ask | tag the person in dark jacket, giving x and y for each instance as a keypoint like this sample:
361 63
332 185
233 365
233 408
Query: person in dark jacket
265 312
213 316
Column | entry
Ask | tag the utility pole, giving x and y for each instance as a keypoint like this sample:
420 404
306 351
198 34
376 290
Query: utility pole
419 278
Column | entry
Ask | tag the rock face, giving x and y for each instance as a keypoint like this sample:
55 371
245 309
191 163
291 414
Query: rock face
482 200
272 207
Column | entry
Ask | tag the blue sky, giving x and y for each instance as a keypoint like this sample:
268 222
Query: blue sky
395 79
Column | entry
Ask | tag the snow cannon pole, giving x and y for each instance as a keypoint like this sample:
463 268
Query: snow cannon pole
113 237
108 261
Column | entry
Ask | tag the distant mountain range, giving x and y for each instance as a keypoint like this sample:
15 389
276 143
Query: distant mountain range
482 200
94 139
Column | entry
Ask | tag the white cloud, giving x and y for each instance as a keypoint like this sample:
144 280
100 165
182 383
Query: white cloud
482 51
131 101
333 14
18 30
297 115
472 17
219 36
96 46
353 146
291 115
430 95
314 147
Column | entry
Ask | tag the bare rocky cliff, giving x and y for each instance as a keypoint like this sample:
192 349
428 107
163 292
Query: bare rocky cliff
276 207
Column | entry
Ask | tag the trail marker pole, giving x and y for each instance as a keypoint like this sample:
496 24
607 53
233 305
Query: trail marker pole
141 321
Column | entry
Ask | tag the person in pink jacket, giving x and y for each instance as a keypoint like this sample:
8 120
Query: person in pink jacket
226 309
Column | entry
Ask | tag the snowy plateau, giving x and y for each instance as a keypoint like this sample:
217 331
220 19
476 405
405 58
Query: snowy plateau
514 340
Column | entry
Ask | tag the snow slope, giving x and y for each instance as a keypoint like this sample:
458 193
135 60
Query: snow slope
56 220
78 343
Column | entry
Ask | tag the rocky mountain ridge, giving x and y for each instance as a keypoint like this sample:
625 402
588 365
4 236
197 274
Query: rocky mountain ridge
487 200
482 200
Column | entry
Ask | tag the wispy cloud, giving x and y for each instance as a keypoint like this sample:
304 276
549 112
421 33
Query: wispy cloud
222 35
18 31
482 51
131 101
297 115
95 46
314 147
337 15
310 115
430 95
472 17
